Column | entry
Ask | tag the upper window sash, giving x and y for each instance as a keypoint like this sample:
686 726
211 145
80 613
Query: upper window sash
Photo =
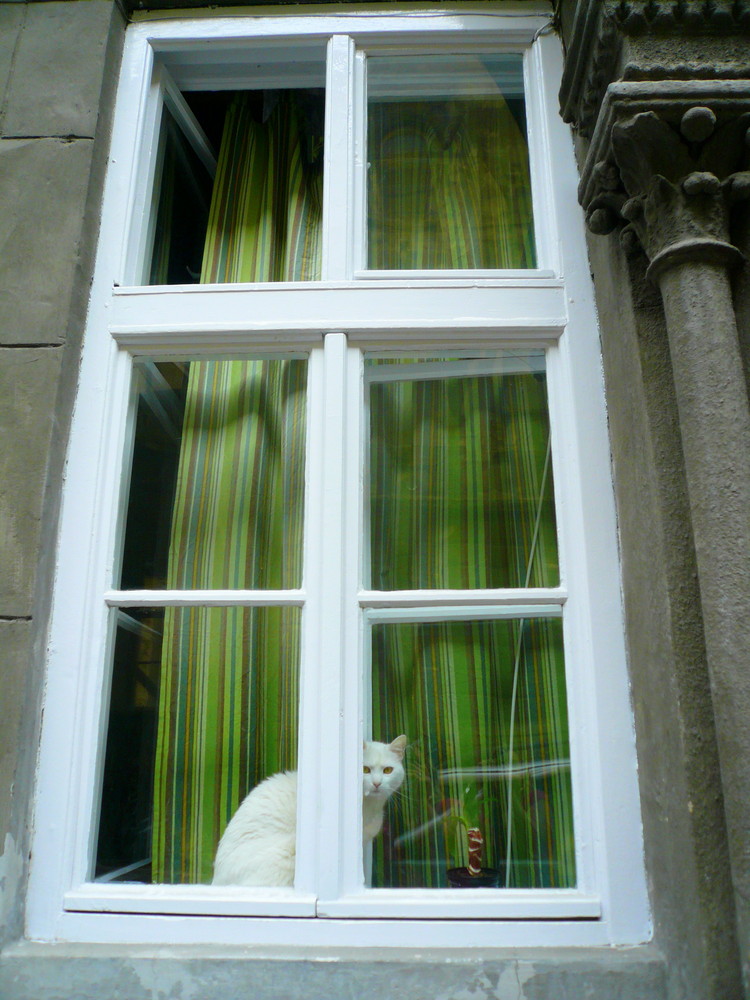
175 60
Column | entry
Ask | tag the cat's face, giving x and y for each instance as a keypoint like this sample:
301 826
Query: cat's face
383 769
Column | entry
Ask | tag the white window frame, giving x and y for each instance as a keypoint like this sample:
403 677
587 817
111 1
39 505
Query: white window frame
336 319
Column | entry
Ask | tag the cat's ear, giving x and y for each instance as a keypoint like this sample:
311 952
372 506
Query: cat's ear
398 746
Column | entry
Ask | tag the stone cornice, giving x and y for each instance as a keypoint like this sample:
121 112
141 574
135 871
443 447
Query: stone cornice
602 28
637 16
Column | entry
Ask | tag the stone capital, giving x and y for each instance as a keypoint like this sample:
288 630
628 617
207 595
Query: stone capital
672 185
660 93
666 165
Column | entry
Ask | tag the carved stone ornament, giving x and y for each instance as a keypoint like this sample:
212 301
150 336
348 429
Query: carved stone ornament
673 187
696 15
599 47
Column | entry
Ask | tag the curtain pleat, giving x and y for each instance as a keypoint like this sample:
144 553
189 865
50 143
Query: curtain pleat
448 186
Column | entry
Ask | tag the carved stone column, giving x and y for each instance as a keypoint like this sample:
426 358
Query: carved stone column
666 167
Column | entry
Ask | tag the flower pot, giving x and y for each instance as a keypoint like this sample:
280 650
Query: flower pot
488 878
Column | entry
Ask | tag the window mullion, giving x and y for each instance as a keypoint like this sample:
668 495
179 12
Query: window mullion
144 183
338 185
320 835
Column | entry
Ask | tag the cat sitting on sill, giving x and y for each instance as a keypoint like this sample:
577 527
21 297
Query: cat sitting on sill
259 844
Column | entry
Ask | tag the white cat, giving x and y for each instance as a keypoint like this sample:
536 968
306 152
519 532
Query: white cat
259 844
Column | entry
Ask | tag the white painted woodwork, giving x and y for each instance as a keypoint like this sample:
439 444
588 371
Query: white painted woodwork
333 322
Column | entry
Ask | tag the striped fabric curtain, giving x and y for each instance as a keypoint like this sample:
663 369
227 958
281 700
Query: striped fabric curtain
486 704
461 496
229 689
448 186
482 702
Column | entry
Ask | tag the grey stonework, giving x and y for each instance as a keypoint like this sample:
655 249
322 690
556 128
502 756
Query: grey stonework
55 44
46 179
662 109
676 350
65 972
26 375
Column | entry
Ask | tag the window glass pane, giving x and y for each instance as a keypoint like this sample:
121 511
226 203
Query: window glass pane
204 705
483 705
460 490
448 166
184 186
260 218
217 485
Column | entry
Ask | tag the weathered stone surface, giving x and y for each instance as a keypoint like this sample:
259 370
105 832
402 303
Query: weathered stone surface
11 18
56 81
15 653
646 39
28 390
677 130
43 186
36 972
691 134
680 783
16 638
683 182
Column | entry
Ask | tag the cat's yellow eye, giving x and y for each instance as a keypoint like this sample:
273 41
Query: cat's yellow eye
387 770
366 769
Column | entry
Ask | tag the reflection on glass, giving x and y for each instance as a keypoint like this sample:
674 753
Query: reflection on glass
124 852
448 166
484 706
217 485
259 218
204 706
460 477
184 186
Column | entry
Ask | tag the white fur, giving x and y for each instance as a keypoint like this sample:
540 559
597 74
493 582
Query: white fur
259 843
377 786
258 846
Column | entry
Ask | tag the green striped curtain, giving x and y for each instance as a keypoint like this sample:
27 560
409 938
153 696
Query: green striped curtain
266 209
229 689
448 186
475 751
460 488
461 496
482 696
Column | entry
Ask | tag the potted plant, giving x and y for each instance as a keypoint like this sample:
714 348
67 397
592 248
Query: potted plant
466 825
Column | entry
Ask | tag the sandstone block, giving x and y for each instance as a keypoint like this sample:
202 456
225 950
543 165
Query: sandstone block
58 70
28 388
43 186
